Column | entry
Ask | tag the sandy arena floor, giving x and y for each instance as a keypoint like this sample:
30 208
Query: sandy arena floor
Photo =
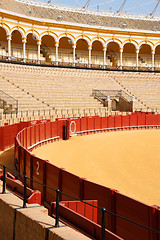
7 158
128 161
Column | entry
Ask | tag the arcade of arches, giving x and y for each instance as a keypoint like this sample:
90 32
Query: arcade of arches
81 52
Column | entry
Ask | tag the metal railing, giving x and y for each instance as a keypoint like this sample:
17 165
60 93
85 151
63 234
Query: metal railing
104 94
8 103
58 192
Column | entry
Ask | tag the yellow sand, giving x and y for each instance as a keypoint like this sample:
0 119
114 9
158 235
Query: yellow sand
7 158
128 161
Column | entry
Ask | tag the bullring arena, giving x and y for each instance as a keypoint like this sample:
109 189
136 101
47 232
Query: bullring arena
79 123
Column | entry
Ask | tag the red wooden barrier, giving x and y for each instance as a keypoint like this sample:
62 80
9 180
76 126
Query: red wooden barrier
21 160
125 121
1 138
90 123
97 122
158 222
38 174
42 132
74 126
118 121
52 180
54 129
28 141
33 135
70 185
27 167
81 208
37 133
105 197
134 211
141 119
48 126
133 119
111 121
85 224
52 176
84 124
104 122
152 119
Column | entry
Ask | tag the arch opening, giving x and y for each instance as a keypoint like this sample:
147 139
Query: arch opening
31 47
17 47
145 58
82 56
65 52
113 56
129 55
3 43
97 53
157 56
48 50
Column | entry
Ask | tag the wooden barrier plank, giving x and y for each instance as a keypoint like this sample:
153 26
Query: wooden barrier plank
104 197
52 180
70 185
135 211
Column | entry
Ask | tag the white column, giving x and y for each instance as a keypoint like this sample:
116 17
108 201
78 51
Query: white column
104 54
9 46
39 50
74 54
153 53
57 45
89 60
121 51
24 49
137 52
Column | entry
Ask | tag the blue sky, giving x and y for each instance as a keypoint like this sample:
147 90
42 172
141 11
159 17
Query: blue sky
144 7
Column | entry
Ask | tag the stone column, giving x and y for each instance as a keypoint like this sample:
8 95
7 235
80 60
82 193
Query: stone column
121 64
89 60
109 104
39 50
137 64
9 46
153 53
104 54
57 45
133 104
74 54
24 49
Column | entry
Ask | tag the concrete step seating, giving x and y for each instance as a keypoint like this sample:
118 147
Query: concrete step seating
62 87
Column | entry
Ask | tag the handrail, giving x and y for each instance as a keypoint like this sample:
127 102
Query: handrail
112 94
103 210
8 100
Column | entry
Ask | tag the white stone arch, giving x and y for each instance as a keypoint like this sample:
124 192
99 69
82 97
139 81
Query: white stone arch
20 30
156 45
35 33
88 40
46 33
6 28
146 43
67 36
98 39
132 42
114 40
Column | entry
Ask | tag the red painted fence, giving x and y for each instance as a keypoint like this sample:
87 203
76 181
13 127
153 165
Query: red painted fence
57 178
